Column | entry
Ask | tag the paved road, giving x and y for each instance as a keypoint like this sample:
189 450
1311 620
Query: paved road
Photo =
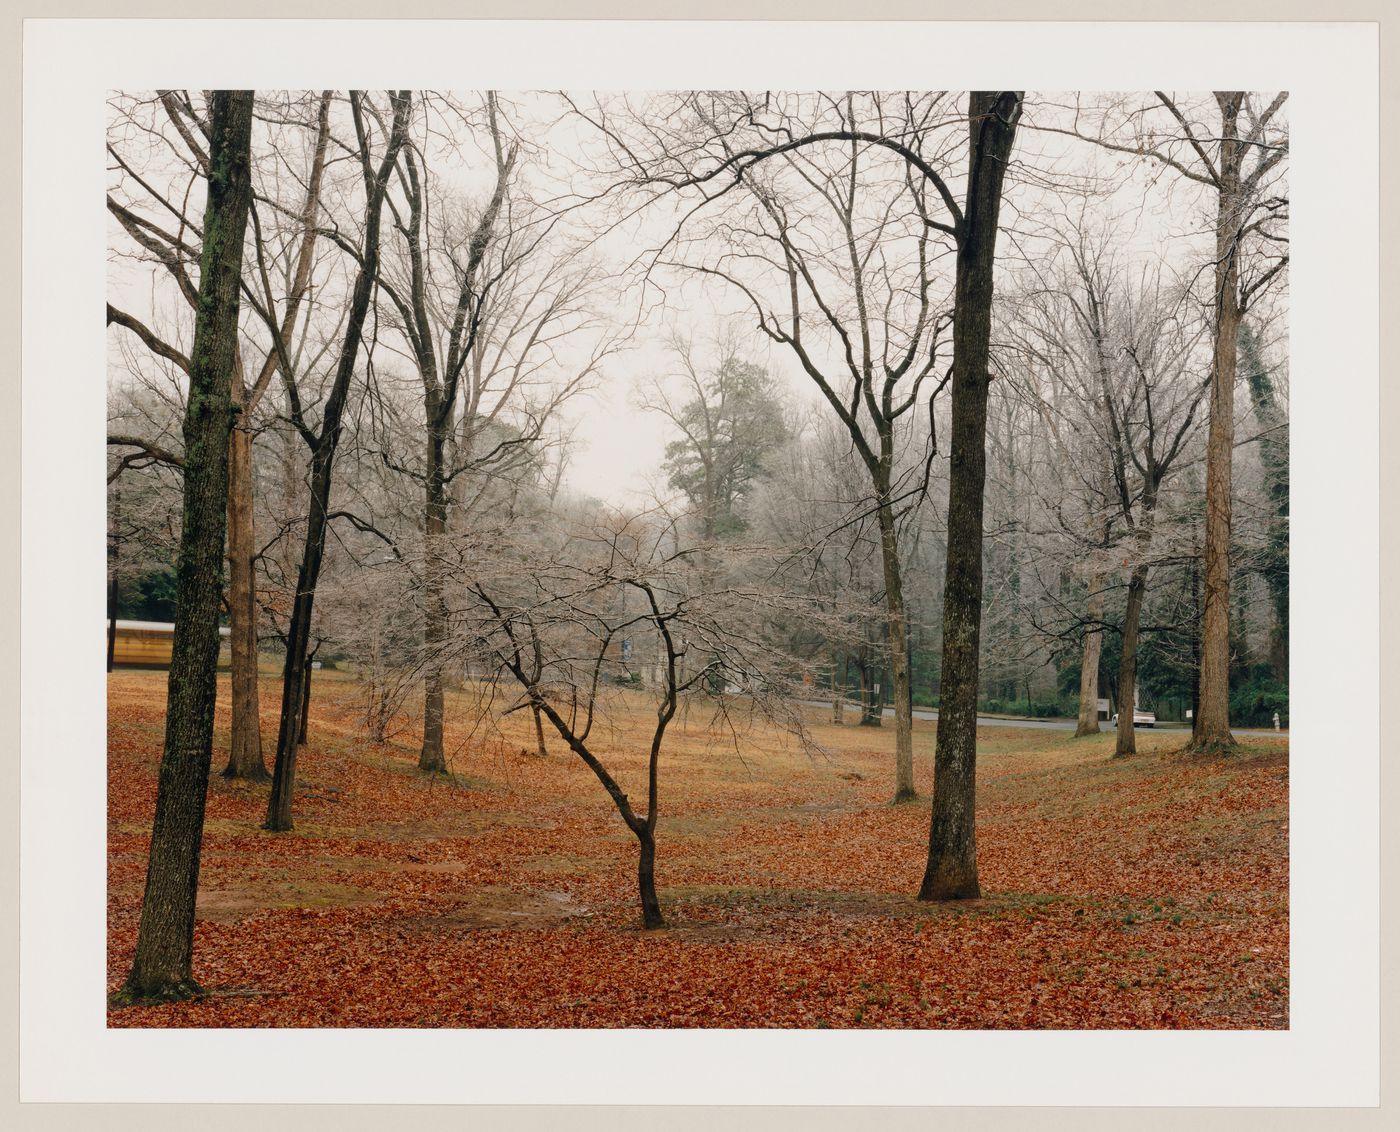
1041 724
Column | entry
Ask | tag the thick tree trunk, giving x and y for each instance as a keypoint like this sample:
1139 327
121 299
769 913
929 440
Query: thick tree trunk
899 654
1089 672
1212 730
952 850
162 967
245 758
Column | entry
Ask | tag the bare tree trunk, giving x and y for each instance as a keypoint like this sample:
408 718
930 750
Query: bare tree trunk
899 655
279 808
870 714
245 759
162 967
838 698
431 758
1126 743
245 750
305 705
951 873
646 879
294 669
1093 650
540 748
1212 730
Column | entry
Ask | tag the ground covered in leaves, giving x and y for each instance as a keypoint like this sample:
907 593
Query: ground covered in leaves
1145 892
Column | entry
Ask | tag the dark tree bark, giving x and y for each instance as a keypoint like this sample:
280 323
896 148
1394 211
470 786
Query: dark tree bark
305 706
323 447
165 940
643 826
951 873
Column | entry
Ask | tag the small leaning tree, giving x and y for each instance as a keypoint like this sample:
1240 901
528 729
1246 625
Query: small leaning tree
566 617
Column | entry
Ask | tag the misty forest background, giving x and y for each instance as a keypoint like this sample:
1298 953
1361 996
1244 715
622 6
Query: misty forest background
590 274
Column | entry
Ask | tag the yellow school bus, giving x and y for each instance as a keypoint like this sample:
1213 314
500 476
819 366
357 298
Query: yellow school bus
147 644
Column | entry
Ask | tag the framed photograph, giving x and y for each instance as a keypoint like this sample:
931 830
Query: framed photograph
681 562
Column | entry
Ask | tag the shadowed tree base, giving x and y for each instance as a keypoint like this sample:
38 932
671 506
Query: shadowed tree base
132 994
257 774
902 796
1213 746
950 884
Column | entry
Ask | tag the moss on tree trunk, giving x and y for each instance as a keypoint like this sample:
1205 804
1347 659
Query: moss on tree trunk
162 968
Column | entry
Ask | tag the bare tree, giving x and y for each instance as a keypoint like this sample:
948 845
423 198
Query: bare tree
951 872
560 621
161 968
441 345
324 441
245 753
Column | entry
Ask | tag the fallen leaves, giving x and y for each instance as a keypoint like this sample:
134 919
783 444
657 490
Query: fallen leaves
1148 892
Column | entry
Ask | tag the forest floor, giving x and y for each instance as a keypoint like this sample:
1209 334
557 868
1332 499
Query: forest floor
1150 891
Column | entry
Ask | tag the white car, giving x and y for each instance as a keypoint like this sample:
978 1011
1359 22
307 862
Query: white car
1140 718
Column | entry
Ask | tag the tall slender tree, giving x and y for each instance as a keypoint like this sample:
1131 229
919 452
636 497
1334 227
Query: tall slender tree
323 443
440 369
951 872
245 759
162 967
